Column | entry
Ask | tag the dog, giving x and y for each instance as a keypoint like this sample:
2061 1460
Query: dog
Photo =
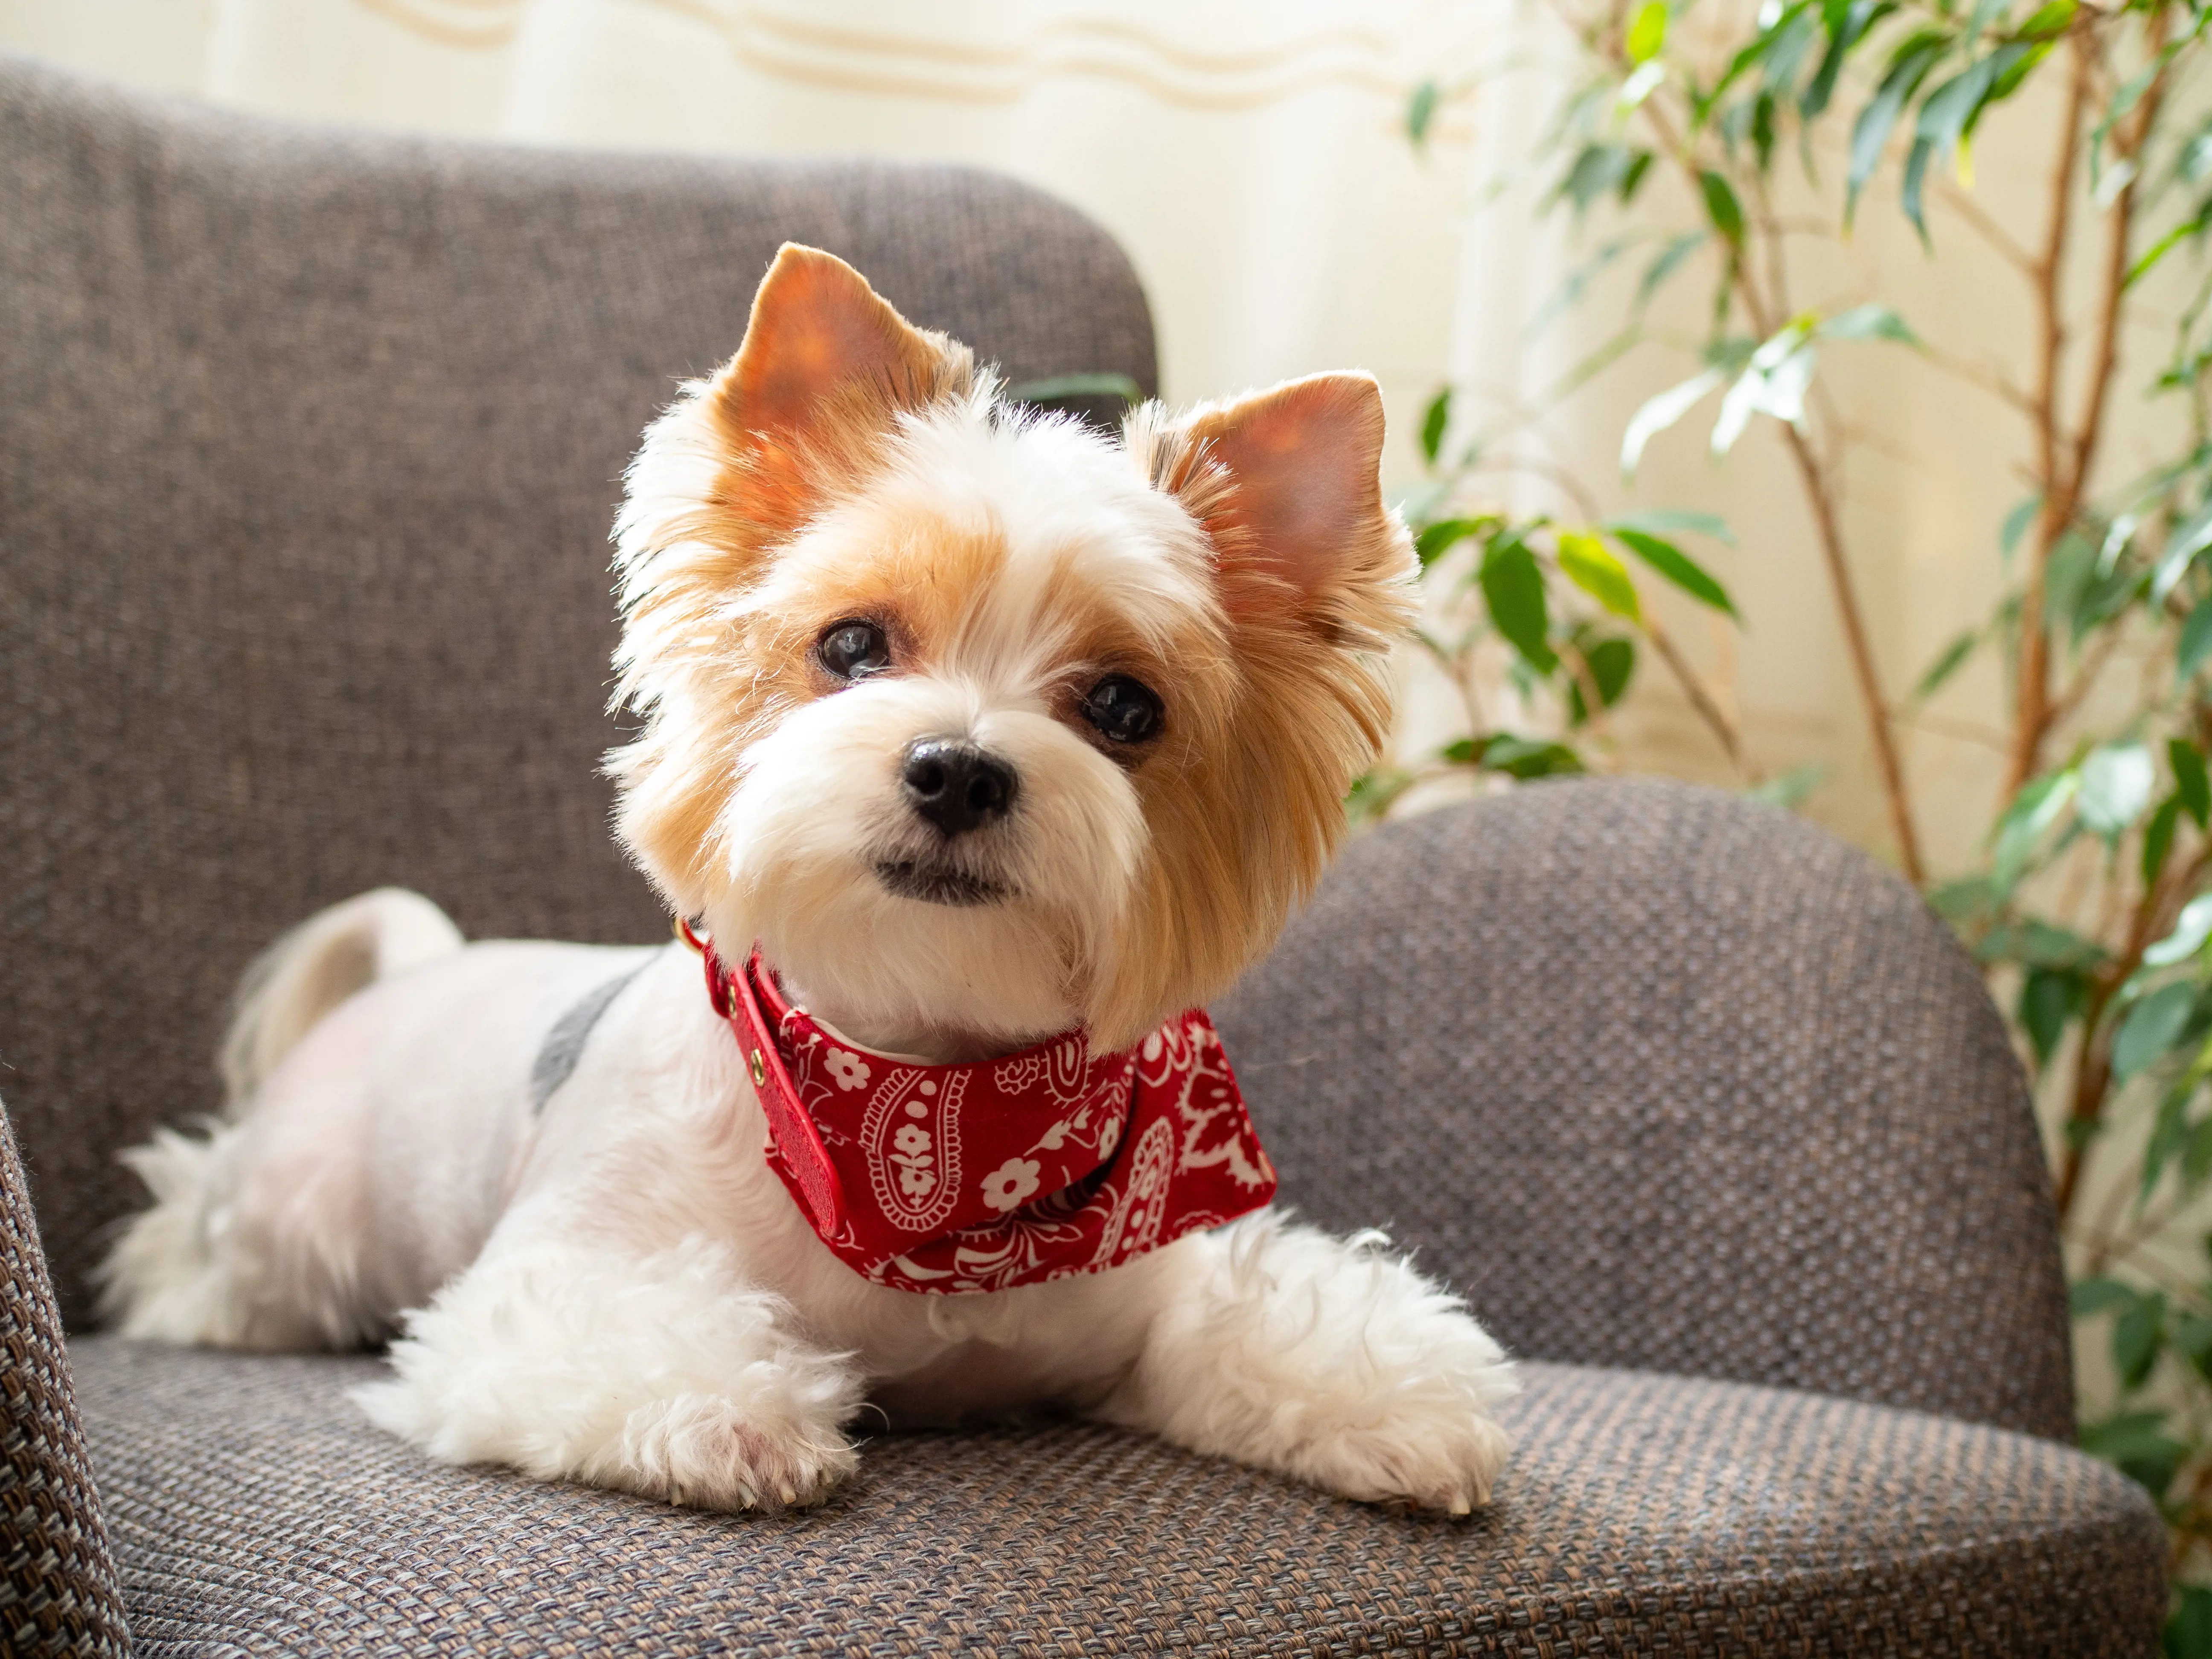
975 749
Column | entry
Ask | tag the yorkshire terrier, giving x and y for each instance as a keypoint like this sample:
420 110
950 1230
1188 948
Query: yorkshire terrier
978 750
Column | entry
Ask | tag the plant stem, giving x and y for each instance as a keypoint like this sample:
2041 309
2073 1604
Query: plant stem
1728 734
2031 690
1814 477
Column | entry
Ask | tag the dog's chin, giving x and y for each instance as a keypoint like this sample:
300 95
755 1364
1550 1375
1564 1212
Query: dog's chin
938 883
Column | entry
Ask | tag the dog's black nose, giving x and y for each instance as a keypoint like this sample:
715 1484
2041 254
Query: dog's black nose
956 786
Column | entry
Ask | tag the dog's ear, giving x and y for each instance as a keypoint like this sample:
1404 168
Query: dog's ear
825 367
1287 484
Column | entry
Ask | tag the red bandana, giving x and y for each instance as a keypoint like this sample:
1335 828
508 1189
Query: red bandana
944 1179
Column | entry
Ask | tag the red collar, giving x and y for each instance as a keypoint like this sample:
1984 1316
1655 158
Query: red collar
943 1179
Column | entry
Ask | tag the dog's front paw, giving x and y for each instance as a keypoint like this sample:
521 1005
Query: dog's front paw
665 1375
1439 1454
710 1452
1330 1361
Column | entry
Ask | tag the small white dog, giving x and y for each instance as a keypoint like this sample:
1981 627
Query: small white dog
982 728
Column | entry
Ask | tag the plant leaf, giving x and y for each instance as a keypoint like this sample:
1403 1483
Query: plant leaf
1916 181
1525 758
1647 31
1846 26
2033 811
2158 838
1669 261
2196 642
1421 111
2169 1132
1590 565
1678 567
1908 65
2049 997
1944 114
1433 542
1789 788
1433 424
1773 382
1513 589
1062 387
2191 929
2189 1632
2091 1296
2137 1336
2039 944
2188 540
2151 1028
2136 1442
1954 656
1722 208
2190 781
1663 521
1596 169
1611 662
2117 779
1867 322
1660 412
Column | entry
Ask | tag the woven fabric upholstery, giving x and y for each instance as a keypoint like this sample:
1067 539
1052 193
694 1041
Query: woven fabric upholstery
309 445
256 1511
58 1588
1668 1080
1663 1079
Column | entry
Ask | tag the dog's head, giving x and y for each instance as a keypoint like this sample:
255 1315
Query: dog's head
982 724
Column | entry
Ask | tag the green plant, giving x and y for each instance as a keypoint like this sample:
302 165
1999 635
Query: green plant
2089 902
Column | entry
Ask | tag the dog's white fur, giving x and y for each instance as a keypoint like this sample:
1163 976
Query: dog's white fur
616 1289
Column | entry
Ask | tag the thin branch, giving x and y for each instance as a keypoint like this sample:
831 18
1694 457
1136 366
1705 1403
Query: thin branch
2120 220
1725 730
2032 686
1999 239
1989 379
2085 678
1860 651
1945 725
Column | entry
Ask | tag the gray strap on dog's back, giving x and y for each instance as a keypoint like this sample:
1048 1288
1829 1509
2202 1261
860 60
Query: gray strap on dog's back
564 1043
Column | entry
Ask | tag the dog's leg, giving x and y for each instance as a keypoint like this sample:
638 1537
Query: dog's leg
662 1372
1330 1361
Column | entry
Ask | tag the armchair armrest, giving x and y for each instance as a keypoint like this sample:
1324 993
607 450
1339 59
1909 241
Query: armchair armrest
1667 1080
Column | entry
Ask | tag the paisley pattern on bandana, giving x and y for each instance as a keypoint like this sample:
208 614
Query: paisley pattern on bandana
946 1179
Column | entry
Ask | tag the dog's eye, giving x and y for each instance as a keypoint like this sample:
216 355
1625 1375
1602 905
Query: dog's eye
854 650
1123 710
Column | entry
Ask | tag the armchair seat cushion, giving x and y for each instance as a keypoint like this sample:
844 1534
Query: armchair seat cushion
254 1511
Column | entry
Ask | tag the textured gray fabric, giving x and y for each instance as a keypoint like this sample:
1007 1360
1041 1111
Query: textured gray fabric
309 444
58 1589
1663 1079
255 1511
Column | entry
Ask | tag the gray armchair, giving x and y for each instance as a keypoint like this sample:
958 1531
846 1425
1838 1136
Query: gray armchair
308 445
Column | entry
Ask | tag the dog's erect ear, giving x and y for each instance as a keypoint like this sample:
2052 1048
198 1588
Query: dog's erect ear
825 367
1287 484
818 329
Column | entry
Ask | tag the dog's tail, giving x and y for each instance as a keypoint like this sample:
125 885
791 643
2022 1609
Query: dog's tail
181 1272
315 967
